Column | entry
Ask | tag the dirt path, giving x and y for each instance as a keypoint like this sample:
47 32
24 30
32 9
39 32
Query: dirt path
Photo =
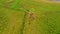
48 1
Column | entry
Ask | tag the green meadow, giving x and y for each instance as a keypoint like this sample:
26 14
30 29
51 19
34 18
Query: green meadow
29 17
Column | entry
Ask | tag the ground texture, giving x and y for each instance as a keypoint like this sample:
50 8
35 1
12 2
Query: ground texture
29 17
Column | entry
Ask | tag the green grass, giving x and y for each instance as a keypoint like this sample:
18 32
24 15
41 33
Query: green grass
47 17
49 22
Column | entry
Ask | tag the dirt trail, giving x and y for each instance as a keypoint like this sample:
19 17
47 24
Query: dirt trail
48 1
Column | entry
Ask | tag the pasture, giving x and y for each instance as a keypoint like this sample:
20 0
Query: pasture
29 17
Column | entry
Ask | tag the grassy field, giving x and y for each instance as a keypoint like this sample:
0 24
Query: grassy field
29 17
